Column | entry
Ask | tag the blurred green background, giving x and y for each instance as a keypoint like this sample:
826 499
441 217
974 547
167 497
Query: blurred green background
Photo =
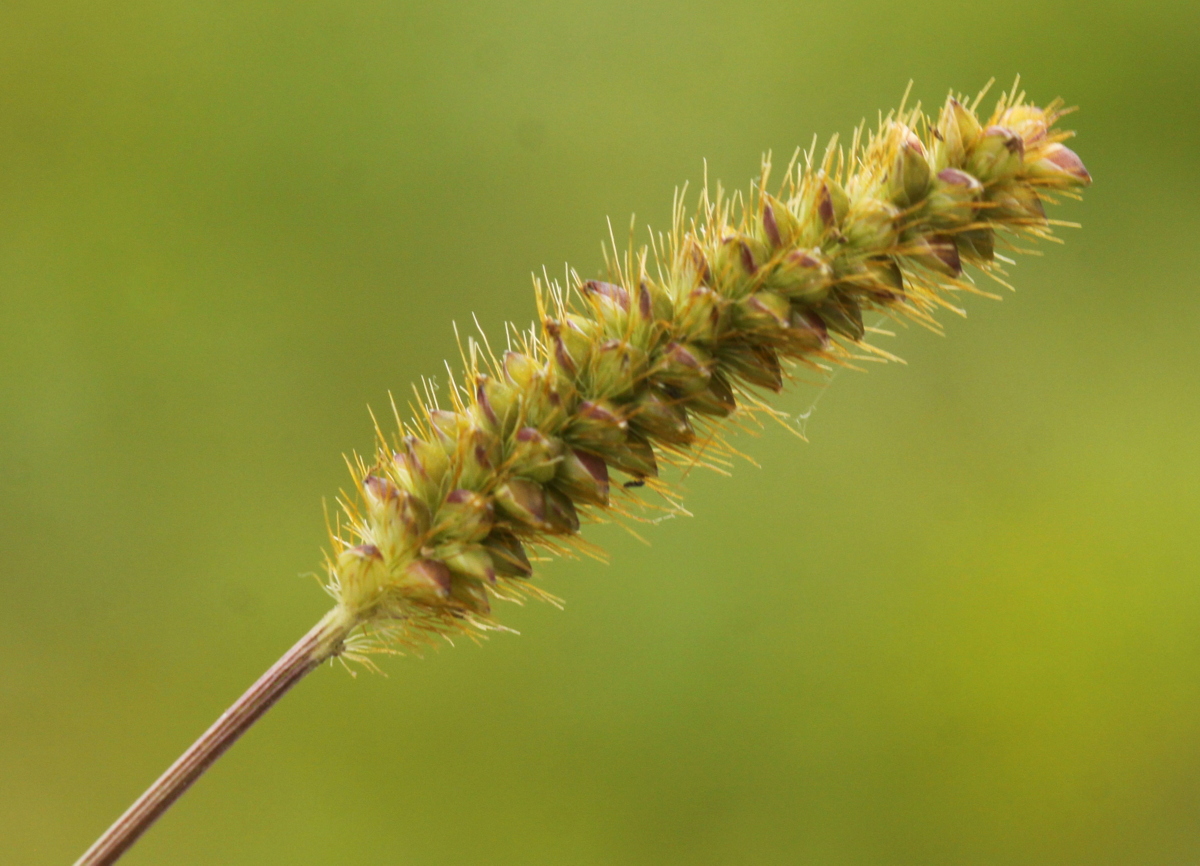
962 626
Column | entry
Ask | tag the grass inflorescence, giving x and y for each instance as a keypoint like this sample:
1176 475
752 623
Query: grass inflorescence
647 366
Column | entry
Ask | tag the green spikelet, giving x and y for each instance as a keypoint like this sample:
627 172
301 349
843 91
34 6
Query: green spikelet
642 369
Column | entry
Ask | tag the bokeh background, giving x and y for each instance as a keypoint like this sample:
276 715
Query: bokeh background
960 626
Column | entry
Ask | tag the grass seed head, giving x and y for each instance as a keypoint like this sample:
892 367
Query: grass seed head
643 368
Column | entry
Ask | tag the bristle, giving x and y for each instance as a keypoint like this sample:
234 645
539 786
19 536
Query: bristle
648 367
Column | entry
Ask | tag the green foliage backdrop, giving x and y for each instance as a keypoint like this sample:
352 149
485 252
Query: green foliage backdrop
962 625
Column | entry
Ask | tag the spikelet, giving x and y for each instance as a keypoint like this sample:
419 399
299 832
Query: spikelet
645 368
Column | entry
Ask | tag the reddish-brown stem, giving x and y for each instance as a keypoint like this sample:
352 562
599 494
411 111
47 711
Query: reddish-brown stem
322 642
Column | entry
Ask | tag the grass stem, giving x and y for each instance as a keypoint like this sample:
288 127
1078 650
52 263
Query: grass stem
323 641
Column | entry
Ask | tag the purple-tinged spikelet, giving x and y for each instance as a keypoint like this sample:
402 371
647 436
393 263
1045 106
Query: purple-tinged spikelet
624 375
